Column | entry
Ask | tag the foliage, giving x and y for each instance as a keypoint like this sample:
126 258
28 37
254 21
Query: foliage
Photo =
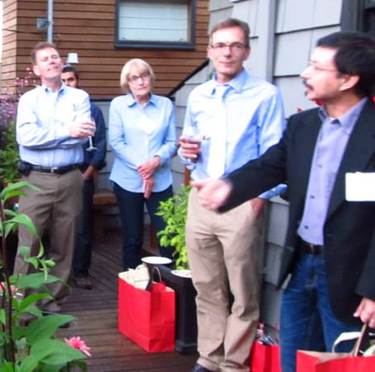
9 156
174 213
27 342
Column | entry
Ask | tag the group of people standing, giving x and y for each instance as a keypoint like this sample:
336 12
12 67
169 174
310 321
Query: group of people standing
234 134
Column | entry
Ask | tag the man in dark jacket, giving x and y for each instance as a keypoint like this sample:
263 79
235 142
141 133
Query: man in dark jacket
329 254
94 161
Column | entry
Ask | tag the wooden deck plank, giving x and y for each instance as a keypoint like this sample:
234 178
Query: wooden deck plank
96 313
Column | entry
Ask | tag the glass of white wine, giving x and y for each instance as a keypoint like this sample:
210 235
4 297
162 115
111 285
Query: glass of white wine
91 145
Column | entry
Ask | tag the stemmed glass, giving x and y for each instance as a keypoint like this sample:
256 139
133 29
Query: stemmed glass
193 135
91 146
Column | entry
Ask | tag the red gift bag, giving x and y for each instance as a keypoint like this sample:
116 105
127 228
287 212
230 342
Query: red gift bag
310 361
147 317
313 361
265 358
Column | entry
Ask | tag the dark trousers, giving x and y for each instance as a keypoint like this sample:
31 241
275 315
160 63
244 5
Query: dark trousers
84 241
131 207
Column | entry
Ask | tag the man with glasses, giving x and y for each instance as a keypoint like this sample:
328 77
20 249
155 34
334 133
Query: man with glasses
329 254
230 120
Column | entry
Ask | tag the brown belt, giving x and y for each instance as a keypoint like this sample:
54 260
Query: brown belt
310 248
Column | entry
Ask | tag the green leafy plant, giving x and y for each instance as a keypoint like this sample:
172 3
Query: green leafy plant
27 342
9 156
174 213
9 98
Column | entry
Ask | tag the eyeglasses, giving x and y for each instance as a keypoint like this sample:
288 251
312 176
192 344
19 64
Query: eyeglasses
235 47
316 69
134 78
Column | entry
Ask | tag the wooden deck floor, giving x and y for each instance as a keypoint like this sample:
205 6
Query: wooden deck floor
96 312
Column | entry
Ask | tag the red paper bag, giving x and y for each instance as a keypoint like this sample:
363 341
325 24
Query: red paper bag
265 358
147 317
311 361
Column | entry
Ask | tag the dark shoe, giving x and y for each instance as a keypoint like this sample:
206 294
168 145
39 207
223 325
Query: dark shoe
83 282
199 368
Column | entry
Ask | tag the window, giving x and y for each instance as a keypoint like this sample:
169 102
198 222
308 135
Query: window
155 23
358 15
367 23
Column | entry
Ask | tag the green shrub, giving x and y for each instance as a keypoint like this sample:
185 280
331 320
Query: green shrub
174 213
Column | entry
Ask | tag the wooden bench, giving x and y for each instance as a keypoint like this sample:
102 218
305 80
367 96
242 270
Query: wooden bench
103 198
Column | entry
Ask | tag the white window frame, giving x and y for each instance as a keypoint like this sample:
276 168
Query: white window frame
185 30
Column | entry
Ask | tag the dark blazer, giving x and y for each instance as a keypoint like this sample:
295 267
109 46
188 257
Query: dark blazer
349 237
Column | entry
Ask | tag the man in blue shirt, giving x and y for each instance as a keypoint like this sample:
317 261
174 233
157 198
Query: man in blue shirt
93 162
230 120
53 122
328 261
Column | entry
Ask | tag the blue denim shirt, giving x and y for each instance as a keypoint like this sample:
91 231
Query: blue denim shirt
136 134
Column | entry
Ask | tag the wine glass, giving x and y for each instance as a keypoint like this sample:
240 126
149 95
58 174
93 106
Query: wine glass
192 134
91 146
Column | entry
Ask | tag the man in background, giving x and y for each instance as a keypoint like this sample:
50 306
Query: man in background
53 122
230 119
93 162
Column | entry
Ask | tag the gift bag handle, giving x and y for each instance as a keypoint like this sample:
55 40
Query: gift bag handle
151 281
358 344
155 270
348 336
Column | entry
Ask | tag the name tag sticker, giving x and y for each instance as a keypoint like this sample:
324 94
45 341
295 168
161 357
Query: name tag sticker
360 186
146 124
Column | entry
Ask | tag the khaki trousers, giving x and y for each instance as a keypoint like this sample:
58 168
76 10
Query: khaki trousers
224 253
55 208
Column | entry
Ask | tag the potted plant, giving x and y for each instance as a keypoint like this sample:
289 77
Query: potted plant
27 342
174 214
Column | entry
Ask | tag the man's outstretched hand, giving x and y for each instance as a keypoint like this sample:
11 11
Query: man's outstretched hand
212 194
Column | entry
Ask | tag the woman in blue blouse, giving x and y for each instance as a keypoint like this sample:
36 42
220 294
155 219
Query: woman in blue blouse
142 135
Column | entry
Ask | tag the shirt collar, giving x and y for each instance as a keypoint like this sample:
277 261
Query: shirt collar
236 83
48 90
348 120
130 101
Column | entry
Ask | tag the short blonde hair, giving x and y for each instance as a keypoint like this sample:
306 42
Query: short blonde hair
140 65
41 46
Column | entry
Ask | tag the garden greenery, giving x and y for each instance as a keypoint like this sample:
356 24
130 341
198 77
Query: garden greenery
29 346
174 213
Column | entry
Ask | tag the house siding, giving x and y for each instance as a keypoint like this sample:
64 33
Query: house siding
87 27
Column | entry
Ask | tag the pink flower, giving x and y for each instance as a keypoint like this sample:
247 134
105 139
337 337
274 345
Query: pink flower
78 344
12 288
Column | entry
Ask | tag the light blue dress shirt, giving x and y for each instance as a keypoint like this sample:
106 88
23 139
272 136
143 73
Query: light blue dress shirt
329 150
42 129
256 121
138 133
